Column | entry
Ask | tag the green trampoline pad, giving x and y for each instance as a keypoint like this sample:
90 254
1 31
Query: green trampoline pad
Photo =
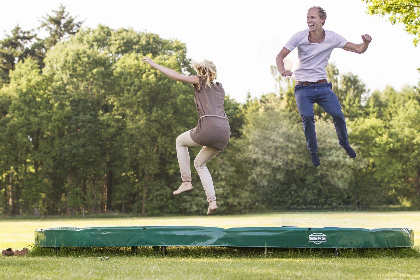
274 237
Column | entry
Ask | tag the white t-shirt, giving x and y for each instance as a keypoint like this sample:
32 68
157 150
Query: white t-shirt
313 57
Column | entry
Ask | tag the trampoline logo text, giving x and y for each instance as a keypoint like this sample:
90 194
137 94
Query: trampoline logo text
317 238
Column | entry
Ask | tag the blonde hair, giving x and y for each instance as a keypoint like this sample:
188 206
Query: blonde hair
321 12
207 69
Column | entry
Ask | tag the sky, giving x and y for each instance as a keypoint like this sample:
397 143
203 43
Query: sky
243 38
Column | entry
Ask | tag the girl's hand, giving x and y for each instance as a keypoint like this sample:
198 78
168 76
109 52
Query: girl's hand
148 60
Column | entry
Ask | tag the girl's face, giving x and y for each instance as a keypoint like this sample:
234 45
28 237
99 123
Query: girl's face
313 20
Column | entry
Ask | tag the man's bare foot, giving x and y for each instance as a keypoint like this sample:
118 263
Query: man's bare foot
212 208
185 186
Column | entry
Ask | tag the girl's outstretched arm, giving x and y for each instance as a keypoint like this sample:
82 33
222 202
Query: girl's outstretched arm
171 73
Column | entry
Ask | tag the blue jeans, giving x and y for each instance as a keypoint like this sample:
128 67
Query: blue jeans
322 94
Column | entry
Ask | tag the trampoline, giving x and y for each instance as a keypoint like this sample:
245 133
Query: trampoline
268 237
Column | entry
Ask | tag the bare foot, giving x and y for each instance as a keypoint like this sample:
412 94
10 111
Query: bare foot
212 208
185 186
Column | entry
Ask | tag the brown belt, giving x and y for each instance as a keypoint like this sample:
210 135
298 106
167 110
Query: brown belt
324 81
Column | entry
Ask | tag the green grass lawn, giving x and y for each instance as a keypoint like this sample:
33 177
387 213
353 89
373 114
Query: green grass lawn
213 263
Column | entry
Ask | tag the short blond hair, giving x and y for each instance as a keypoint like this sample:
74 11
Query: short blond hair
207 69
321 12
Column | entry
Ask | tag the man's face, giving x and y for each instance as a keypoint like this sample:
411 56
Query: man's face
313 20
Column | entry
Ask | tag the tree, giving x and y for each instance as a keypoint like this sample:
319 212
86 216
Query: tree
156 109
6 98
368 187
399 11
80 79
231 176
385 104
22 44
24 134
14 48
402 159
280 170
60 26
351 94
387 140
236 116
286 88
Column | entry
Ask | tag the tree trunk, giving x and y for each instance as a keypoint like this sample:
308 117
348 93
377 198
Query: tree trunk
147 180
109 179
104 196
144 193
93 206
10 191
417 187
68 195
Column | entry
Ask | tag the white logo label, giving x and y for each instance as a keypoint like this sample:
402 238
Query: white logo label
317 238
407 231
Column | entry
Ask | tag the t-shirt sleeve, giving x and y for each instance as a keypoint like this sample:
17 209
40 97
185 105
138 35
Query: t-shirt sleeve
340 41
293 42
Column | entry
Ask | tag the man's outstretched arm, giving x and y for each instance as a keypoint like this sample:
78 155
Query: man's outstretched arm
359 48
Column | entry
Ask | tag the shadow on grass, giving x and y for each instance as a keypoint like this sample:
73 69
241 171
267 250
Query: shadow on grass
224 252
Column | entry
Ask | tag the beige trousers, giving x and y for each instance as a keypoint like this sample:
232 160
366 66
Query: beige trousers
184 141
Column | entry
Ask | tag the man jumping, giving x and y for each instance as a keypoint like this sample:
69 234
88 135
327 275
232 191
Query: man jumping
314 49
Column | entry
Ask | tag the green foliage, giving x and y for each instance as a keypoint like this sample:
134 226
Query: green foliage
59 26
402 147
236 116
280 166
156 110
92 129
235 193
388 140
406 12
24 131
351 93
22 44
14 48
285 86
89 128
